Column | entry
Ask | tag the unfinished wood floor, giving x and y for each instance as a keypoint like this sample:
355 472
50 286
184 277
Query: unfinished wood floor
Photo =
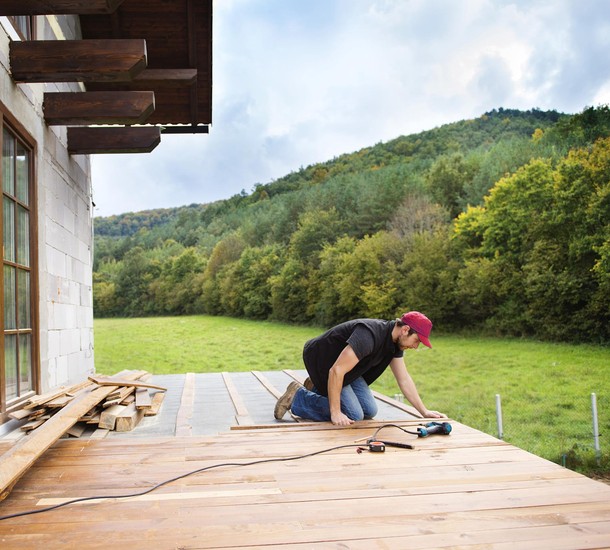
465 490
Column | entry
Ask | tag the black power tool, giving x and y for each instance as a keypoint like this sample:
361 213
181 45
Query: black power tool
443 428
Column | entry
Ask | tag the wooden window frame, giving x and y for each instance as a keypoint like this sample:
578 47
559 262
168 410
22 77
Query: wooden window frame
6 406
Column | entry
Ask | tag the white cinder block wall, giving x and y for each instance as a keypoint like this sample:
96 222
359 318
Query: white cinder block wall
64 221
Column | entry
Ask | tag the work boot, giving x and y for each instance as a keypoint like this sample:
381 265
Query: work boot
285 401
308 384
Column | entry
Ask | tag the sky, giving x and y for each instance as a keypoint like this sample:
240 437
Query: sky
297 82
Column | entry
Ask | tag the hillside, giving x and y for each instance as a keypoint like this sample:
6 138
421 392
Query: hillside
482 133
420 221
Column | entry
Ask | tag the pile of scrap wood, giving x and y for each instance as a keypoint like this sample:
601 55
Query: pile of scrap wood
56 413
127 402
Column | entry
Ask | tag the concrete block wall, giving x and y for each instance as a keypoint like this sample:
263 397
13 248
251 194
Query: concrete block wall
64 221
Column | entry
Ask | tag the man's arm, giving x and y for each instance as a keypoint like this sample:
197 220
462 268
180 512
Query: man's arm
409 390
346 361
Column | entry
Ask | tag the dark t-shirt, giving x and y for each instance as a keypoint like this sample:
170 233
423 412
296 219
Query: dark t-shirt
371 340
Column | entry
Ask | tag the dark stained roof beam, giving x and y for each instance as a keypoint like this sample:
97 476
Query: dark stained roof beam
110 140
85 108
58 7
165 78
112 60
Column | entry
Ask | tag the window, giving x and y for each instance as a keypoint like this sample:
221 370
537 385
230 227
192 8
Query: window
17 373
23 25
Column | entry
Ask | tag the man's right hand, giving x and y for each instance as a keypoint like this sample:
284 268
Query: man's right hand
339 419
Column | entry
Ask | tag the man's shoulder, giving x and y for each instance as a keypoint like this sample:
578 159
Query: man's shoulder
375 325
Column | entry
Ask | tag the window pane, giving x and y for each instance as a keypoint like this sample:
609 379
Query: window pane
8 156
23 303
10 312
23 24
23 173
10 365
8 229
25 363
23 236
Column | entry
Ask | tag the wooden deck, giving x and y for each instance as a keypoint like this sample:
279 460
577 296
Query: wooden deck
464 490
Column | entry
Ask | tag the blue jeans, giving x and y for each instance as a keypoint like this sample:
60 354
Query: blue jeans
357 403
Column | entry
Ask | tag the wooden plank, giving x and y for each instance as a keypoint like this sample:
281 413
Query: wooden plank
17 460
84 108
242 416
33 424
109 416
59 402
153 79
129 418
77 430
131 398
419 503
58 7
93 419
185 412
91 141
113 60
119 395
20 414
108 381
99 434
157 401
397 404
143 399
268 385
37 400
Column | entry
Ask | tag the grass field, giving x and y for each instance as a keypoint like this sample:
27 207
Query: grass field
545 388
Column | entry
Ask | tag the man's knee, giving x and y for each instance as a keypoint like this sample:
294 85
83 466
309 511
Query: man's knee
356 415
371 410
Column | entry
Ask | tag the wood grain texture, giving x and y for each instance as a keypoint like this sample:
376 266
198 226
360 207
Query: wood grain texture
17 460
58 7
77 60
84 108
466 490
91 140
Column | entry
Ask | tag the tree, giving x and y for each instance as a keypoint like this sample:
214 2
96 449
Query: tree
428 274
447 179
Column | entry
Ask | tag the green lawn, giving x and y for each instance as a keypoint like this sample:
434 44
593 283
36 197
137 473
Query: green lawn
545 388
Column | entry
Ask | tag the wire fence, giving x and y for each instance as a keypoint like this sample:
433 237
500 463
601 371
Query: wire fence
572 431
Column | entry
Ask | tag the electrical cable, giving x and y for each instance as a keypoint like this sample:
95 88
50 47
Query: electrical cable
167 481
193 472
393 426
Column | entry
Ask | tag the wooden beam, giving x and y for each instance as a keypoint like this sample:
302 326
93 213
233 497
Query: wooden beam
129 418
108 381
165 78
84 108
91 141
58 7
157 401
18 459
113 60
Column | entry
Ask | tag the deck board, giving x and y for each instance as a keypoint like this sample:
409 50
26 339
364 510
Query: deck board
467 489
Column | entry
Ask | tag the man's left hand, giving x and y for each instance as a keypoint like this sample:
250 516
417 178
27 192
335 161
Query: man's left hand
433 414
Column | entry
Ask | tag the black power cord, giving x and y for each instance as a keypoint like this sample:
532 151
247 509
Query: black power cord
167 481
206 468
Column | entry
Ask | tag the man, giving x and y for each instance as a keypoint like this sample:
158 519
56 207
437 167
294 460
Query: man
344 361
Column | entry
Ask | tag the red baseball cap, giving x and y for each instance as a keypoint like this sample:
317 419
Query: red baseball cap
420 324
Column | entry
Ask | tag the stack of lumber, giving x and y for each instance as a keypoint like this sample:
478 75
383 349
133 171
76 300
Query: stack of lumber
60 411
127 401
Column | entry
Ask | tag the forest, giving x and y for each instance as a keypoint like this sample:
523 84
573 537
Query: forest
499 225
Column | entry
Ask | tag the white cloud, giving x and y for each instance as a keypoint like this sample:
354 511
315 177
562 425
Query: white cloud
300 82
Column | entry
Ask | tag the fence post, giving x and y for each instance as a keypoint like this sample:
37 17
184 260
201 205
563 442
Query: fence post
499 416
595 428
